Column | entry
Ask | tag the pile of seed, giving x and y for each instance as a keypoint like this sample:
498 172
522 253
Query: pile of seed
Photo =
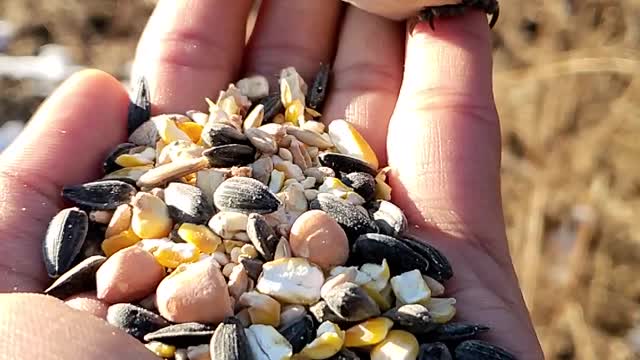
254 232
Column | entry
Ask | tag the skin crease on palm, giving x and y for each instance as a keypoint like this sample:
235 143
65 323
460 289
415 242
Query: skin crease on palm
422 98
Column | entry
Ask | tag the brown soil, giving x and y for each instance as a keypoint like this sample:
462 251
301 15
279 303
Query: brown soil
567 92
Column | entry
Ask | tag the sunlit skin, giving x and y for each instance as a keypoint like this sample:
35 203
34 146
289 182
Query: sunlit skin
422 98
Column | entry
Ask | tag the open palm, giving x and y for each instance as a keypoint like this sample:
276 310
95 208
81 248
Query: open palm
423 99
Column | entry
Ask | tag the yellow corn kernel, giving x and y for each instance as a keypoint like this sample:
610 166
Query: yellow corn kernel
294 112
286 96
173 255
384 297
133 173
150 218
115 243
442 310
398 345
145 157
263 309
168 130
328 342
161 350
350 142
368 333
334 186
380 274
192 129
200 236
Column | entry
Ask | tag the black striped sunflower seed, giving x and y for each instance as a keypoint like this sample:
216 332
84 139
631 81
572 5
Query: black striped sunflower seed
299 333
135 320
187 203
481 350
229 342
100 195
434 351
414 318
440 268
455 332
79 278
182 335
64 239
373 248
139 106
216 134
225 156
351 303
318 90
362 183
353 221
341 163
262 236
245 195
389 218
109 165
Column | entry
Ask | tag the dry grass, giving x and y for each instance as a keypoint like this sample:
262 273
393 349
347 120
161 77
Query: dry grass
568 97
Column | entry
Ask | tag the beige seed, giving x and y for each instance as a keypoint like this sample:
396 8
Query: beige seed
311 194
289 182
291 280
172 171
290 170
261 169
238 281
300 155
227 269
264 142
308 183
220 257
234 254
314 126
249 251
254 87
436 287
241 171
241 236
310 138
285 154
255 117
159 192
101 216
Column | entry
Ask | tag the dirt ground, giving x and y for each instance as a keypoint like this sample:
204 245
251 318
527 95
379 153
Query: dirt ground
567 93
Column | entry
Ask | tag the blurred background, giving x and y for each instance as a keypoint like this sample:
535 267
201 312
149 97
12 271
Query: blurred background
568 95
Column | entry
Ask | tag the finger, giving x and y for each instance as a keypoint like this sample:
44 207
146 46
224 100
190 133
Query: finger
64 143
366 79
42 327
292 33
444 137
191 50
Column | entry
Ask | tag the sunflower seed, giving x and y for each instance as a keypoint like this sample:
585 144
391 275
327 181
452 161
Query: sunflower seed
414 318
245 195
64 239
480 350
139 106
373 248
272 106
456 331
109 165
341 163
216 134
439 268
187 203
229 341
79 278
146 134
262 236
353 221
351 303
230 155
318 90
99 195
135 320
299 333
434 351
253 267
362 183
183 335
389 218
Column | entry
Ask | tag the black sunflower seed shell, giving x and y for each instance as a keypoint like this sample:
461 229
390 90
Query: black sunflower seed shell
456 332
139 106
109 165
299 333
414 318
229 341
321 313
99 195
389 218
92 245
187 203
245 195
350 302
135 320
362 183
345 354
262 236
64 239
182 335
373 248
79 278
318 90
217 134
253 267
341 163
481 350
352 220
434 351
272 106
440 268
225 156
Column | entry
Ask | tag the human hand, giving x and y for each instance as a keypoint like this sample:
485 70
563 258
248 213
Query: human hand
436 126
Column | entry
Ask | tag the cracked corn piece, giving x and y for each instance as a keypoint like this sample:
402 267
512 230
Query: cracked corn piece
410 288
349 141
442 310
266 342
145 157
161 350
368 333
291 280
200 236
398 345
380 274
263 309
192 129
384 297
150 218
133 173
383 190
168 130
115 243
172 255
329 340
294 113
